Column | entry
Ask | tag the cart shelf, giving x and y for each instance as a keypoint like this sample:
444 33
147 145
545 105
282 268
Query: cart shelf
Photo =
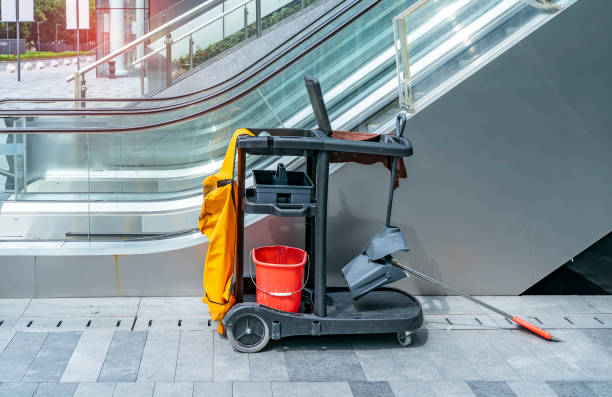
249 205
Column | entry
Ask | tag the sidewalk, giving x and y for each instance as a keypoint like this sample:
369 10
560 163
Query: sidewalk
168 347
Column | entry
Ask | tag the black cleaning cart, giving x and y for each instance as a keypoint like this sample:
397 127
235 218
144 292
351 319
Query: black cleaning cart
323 310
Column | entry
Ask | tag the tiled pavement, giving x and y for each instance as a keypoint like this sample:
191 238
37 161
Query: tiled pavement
167 347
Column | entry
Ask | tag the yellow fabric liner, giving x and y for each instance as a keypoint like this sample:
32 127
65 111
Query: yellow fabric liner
218 222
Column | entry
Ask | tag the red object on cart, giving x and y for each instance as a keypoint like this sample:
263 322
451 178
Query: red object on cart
279 274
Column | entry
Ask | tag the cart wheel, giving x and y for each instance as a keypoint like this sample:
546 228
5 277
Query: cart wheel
249 333
404 338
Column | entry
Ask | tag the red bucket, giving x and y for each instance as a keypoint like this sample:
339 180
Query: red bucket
279 272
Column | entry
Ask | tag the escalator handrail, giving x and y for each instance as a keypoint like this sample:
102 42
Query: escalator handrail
242 78
140 111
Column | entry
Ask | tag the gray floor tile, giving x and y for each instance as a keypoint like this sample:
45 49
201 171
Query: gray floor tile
229 364
158 362
131 389
325 366
123 357
291 389
175 307
448 305
600 303
5 339
13 307
52 357
489 364
76 307
212 389
86 361
252 389
602 389
19 354
411 389
382 359
17 389
95 390
335 389
446 354
268 365
173 389
571 389
55 389
195 356
371 389
451 389
531 389
491 389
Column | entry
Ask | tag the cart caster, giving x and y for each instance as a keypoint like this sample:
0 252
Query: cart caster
249 333
404 338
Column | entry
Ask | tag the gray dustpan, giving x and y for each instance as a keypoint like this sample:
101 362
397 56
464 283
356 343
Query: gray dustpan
373 268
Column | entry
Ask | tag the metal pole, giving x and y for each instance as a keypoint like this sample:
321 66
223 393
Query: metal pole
18 42
78 16
38 34
56 36
321 234
258 16
142 79
168 58
246 32
190 52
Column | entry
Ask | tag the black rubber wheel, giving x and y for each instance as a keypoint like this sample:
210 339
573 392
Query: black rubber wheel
249 333
404 338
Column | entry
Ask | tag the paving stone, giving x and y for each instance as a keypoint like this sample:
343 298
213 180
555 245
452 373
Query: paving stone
212 389
52 357
599 303
175 307
173 389
448 357
335 389
19 354
489 364
55 390
491 389
411 389
64 324
131 389
195 356
458 321
602 389
252 389
228 364
291 389
17 389
172 324
82 307
5 339
382 359
448 305
531 389
158 362
571 389
451 389
13 307
95 390
268 365
371 389
123 357
8 323
88 357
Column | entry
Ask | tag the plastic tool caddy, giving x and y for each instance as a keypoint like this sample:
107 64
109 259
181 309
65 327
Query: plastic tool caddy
323 310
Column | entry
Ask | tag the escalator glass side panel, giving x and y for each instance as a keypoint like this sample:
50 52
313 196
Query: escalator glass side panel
438 44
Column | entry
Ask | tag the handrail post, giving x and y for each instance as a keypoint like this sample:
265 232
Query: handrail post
246 31
258 16
83 91
168 58
142 79
190 52
77 89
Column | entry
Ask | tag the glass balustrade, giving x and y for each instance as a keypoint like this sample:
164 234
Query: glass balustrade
439 43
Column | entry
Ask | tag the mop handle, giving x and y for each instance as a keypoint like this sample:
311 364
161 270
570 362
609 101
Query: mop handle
448 287
400 124
533 328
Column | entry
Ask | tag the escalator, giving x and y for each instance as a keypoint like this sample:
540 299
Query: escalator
122 185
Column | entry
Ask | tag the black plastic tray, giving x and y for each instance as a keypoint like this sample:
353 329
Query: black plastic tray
251 206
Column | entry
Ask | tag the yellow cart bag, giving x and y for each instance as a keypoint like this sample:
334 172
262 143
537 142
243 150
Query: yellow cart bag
218 222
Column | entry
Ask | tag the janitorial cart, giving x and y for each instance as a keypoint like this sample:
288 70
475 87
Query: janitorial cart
321 310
